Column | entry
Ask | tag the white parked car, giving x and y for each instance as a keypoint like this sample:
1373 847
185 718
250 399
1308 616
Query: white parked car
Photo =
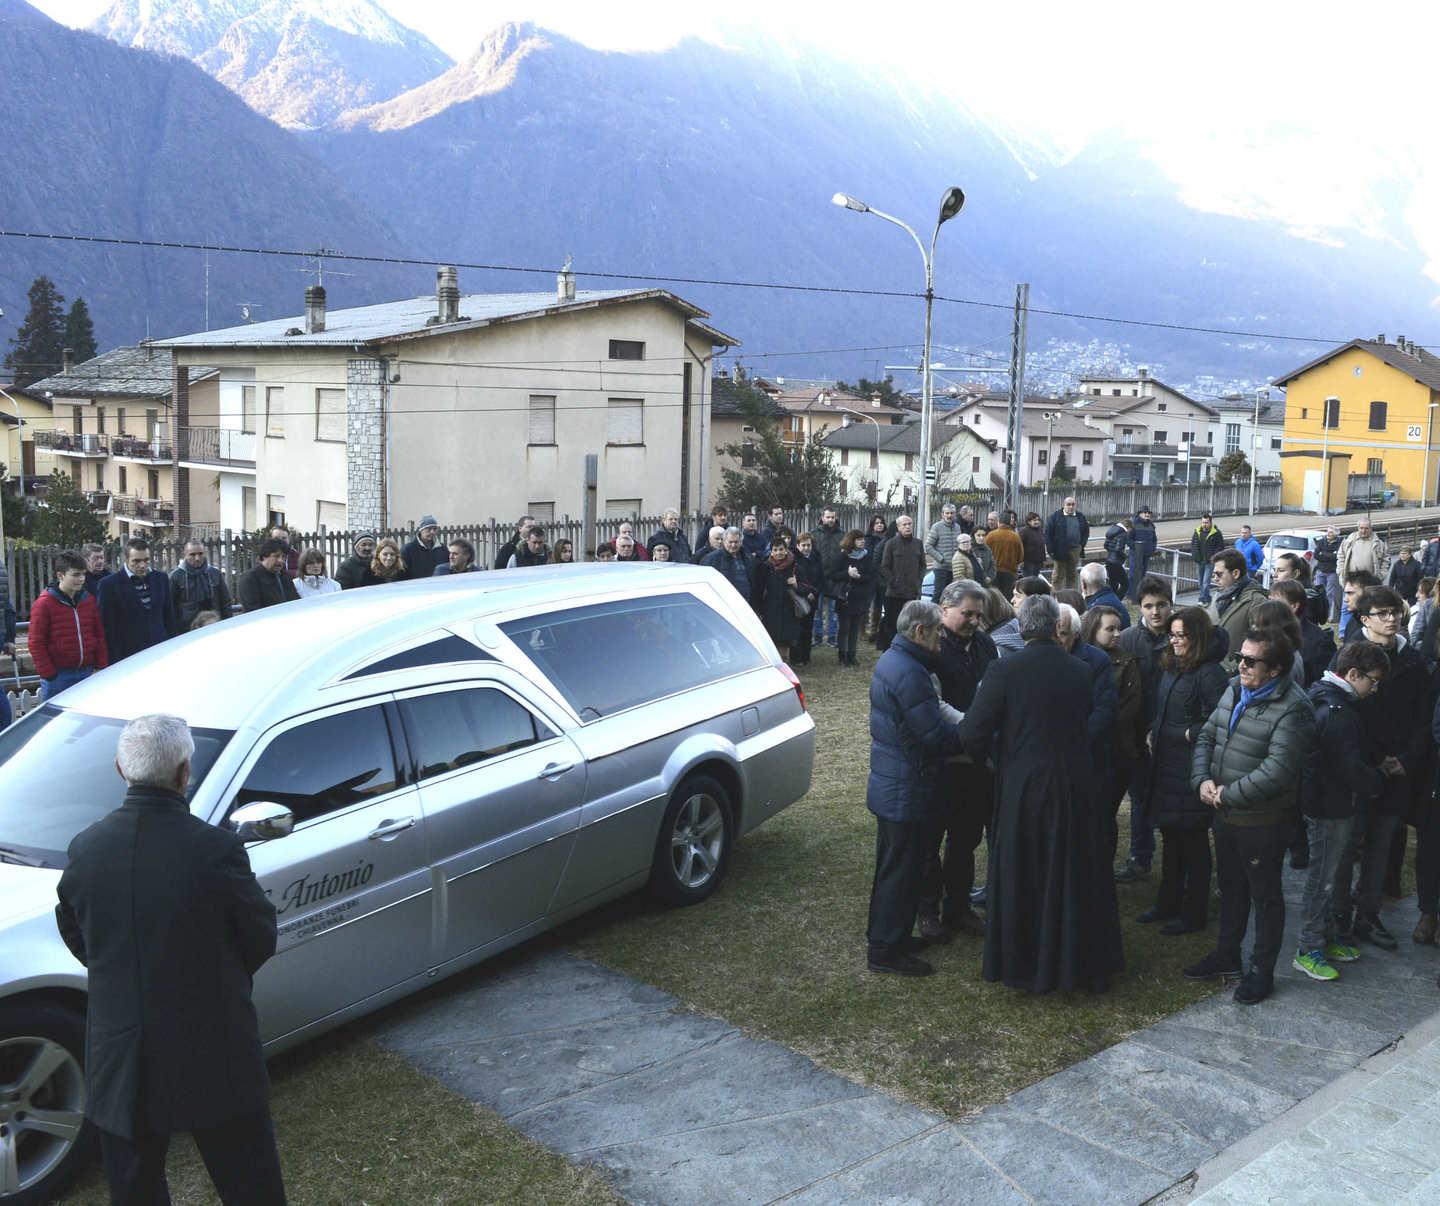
427 773
1291 540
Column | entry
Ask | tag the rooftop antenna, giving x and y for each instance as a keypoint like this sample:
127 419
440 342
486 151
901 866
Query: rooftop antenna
318 257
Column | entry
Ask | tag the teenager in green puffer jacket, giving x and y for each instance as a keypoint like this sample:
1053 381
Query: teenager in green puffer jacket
1246 766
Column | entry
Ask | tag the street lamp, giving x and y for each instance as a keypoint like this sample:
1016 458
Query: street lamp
950 205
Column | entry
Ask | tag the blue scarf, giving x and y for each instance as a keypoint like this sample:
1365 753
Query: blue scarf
1247 697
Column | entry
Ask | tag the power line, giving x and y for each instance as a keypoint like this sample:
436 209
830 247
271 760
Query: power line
652 278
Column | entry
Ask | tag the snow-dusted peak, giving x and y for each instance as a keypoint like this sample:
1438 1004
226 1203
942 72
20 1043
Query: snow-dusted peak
183 27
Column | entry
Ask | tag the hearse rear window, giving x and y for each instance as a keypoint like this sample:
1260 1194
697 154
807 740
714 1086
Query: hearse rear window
612 656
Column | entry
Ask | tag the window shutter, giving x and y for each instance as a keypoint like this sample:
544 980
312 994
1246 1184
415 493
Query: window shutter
330 415
542 419
626 421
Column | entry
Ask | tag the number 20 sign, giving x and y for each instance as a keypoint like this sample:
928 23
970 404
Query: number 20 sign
1414 432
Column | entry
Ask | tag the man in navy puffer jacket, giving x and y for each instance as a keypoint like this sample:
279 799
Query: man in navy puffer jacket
910 737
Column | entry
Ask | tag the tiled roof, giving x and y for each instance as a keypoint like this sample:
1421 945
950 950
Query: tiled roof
145 371
1422 366
725 400
411 319
897 437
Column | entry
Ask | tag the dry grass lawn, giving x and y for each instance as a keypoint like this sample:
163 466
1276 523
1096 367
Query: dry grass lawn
780 950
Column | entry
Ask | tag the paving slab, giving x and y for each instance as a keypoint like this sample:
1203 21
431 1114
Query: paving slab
523 1071
728 1081
760 1159
939 1166
1283 1067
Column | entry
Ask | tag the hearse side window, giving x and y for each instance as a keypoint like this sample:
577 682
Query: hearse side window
449 648
461 728
325 765
612 656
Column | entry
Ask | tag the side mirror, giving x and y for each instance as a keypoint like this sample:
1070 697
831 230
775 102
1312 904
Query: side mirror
261 821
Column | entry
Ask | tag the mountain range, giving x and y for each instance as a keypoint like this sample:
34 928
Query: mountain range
306 125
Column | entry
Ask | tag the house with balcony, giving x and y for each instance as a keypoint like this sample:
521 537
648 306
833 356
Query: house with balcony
465 406
814 408
1257 431
1048 431
1157 433
112 433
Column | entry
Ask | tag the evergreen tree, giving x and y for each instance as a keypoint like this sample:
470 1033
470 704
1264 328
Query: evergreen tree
80 331
1233 467
1063 471
772 473
66 520
36 347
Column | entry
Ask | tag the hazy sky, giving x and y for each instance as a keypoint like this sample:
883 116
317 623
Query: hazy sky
1316 114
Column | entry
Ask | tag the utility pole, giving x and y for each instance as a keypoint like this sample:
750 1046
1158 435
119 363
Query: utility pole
1017 397
1049 416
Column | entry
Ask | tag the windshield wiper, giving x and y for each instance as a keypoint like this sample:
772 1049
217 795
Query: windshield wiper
8 855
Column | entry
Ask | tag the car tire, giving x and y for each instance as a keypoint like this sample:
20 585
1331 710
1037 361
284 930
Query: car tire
692 851
48 1041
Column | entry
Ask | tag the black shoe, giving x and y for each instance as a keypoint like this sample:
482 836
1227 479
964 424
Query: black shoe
930 928
1213 965
965 922
900 965
1299 860
1372 930
916 943
1253 989
1171 928
1150 915
1132 872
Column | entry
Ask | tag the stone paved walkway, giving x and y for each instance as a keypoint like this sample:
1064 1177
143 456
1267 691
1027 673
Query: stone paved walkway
680 1108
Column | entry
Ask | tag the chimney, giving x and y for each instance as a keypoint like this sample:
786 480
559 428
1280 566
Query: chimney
875 398
314 309
1380 338
565 283
1143 372
1400 342
67 359
447 294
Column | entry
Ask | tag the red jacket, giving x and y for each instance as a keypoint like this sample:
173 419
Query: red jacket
66 635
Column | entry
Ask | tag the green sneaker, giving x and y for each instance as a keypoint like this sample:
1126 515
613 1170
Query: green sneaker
1340 952
1315 965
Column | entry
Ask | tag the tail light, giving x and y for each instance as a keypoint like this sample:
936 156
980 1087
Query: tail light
1309 554
794 682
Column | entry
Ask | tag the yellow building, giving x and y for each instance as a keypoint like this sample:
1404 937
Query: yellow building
1383 417
21 416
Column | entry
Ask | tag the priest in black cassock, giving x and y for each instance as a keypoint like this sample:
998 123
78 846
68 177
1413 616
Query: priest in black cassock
1051 919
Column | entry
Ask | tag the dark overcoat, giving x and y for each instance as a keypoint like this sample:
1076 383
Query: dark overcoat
129 625
1184 701
165 912
773 603
1051 919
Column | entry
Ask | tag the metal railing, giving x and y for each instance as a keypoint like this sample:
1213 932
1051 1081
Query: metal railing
216 446
89 443
136 449
153 510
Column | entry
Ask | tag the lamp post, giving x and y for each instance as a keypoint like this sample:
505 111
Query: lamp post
20 443
950 205
1049 416
1425 472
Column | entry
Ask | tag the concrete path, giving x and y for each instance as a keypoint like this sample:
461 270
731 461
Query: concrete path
680 1108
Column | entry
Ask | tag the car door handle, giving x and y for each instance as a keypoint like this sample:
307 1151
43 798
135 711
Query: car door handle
553 770
388 829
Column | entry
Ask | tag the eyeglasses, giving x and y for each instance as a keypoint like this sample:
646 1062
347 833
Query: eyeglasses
1386 613
1375 680
1178 636
1248 662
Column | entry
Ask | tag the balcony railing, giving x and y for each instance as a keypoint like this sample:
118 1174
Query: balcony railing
100 500
132 448
216 446
90 443
1161 451
157 512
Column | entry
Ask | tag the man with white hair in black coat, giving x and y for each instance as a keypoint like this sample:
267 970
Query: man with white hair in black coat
164 911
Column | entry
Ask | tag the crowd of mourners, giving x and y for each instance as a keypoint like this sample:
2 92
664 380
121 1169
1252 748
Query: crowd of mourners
1016 706
1024 710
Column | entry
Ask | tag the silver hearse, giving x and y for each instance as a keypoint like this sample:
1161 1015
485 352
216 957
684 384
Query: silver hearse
429 773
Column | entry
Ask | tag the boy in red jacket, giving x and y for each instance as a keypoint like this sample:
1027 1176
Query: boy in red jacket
67 639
